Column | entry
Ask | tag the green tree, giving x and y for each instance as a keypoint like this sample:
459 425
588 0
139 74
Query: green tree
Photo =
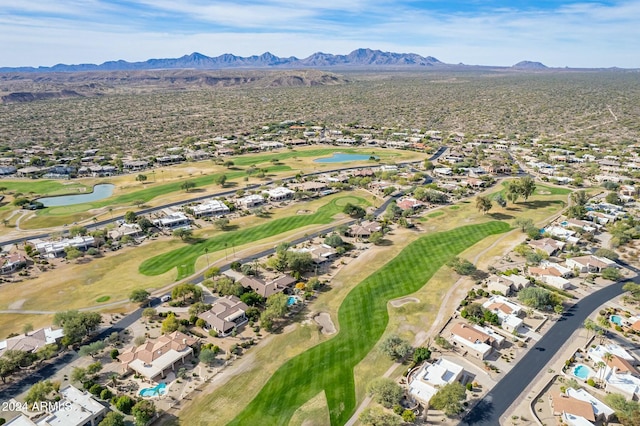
376 238
385 391
143 412
170 324
609 254
92 349
395 347
536 297
449 399
421 354
220 180
527 187
523 223
141 178
483 204
113 418
77 230
139 295
183 233
188 185
334 240
207 356
354 211
628 412
277 304
613 198
611 273
79 375
221 223
39 392
299 262
130 217
76 325
73 253
375 416
462 266
125 403
579 198
149 312
512 192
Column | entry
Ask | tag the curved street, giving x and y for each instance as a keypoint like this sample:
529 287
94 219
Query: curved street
493 406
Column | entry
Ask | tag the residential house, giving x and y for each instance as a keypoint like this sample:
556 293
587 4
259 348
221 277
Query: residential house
548 245
210 208
226 314
172 220
364 229
507 311
409 204
250 201
135 165
430 377
471 340
601 411
132 230
156 357
506 284
279 193
320 254
562 233
311 186
591 263
443 171
267 288
54 249
581 224
12 262
75 408
565 405
32 341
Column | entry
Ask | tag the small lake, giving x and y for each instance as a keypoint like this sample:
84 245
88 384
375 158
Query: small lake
104 190
340 157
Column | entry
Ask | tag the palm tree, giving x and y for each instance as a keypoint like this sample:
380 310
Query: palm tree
601 370
589 325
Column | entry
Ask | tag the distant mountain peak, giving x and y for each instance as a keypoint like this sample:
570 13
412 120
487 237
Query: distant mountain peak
362 57
530 65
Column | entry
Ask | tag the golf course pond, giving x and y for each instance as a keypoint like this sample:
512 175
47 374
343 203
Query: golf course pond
101 191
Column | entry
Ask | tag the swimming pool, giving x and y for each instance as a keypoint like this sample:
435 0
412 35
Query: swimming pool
292 300
157 390
616 319
581 371
565 223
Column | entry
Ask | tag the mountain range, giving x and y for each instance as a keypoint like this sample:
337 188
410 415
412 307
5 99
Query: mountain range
357 58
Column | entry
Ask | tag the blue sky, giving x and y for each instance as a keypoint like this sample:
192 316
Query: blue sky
487 32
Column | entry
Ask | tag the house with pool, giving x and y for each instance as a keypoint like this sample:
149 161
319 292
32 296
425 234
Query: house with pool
507 311
155 358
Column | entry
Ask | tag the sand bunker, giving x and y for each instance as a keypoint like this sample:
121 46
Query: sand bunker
324 320
399 302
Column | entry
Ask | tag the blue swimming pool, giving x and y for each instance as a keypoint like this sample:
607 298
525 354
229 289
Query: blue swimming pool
292 300
581 371
157 390
616 319
341 157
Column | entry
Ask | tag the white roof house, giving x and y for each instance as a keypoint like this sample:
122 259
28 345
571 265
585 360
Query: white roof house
250 201
56 248
75 408
622 383
210 208
573 420
559 232
173 220
32 341
597 354
279 193
430 377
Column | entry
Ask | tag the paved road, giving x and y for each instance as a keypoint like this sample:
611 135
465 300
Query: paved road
102 223
493 406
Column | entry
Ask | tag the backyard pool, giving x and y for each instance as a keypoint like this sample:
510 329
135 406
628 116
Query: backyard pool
581 371
340 157
292 300
157 390
616 319
104 190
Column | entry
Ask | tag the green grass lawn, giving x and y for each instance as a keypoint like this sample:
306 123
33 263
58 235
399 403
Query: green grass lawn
362 318
41 187
185 257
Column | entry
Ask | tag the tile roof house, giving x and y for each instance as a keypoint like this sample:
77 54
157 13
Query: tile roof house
267 288
478 343
563 403
547 245
601 410
31 341
12 262
507 311
506 284
364 229
226 314
153 358
590 263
